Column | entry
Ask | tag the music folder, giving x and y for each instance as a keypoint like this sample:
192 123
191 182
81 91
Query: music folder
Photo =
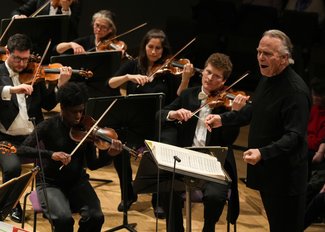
195 165
12 191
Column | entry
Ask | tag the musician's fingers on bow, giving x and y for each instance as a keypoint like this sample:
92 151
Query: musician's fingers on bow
62 157
138 79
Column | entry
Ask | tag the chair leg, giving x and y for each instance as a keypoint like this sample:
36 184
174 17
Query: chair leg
35 219
24 210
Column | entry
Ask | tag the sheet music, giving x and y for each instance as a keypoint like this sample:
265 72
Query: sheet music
191 161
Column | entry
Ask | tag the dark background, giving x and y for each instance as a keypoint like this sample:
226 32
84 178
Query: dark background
218 25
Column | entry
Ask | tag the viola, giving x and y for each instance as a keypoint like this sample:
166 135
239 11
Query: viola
101 137
49 72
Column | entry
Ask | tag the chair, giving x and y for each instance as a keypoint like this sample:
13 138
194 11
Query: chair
196 196
35 205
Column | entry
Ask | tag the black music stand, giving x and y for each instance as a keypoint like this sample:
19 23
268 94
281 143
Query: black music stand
133 118
11 192
103 65
40 29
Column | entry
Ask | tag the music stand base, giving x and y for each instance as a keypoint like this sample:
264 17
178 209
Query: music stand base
129 227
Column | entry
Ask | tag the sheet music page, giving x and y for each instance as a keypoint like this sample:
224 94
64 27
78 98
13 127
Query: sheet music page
192 161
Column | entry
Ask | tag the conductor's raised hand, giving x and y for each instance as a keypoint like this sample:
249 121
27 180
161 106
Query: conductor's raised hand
61 156
22 89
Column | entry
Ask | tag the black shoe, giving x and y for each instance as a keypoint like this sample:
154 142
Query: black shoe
120 207
16 214
159 212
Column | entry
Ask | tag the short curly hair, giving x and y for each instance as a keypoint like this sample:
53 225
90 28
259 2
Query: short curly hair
220 61
72 94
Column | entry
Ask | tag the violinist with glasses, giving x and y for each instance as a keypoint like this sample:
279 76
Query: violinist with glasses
192 132
67 184
137 76
21 102
104 29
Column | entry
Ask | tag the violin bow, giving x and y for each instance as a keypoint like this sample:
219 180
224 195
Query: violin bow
40 9
118 36
225 90
170 59
91 129
40 63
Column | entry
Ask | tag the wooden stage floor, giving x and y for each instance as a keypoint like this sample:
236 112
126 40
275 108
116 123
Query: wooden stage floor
251 219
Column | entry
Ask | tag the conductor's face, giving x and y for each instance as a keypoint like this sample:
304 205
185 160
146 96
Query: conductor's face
269 56
18 60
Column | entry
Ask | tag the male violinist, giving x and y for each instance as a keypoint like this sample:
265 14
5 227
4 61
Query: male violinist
68 188
20 103
192 132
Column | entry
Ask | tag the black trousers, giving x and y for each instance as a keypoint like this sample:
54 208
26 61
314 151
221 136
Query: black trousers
284 213
118 164
77 197
214 199
315 209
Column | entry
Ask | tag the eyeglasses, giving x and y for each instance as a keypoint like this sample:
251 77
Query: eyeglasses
18 59
101 27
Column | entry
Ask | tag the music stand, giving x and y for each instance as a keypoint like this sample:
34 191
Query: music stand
133 118
220 153
103 65
40 29
149 168
11 192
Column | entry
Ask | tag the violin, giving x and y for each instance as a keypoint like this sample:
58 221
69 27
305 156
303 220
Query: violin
161 67
101 137
50 73
176 67
115 45
225 98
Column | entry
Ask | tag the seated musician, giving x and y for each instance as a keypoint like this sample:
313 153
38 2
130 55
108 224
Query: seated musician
192 132
68 188
16 108
135 74
103 29
55 7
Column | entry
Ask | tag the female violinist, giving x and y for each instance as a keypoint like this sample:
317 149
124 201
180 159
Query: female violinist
154 50
103 29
